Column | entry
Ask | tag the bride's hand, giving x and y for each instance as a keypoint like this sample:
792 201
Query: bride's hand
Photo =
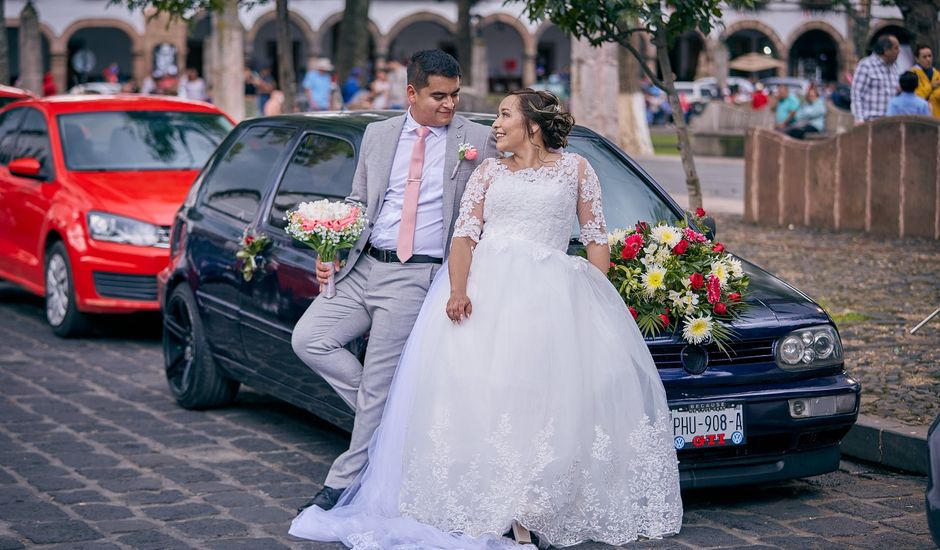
458 307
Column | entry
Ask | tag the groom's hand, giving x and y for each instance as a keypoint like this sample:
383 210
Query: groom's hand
458 307
324 270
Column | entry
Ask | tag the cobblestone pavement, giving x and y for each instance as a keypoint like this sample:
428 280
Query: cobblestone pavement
877 289
95 454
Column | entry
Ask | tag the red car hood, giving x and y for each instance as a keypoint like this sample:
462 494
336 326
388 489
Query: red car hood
151 196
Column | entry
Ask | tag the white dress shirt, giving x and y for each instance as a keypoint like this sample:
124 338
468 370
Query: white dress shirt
429 226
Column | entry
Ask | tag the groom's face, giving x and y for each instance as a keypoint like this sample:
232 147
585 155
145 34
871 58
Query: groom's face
434 104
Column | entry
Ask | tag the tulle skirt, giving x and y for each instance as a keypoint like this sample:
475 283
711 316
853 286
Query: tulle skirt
543 407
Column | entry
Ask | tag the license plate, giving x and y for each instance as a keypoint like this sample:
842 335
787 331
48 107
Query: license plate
706 425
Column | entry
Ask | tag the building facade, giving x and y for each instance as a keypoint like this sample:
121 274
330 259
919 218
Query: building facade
80 38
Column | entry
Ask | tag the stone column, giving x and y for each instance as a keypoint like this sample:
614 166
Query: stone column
595 87
528 69
30 50
58 66
481 69
721 65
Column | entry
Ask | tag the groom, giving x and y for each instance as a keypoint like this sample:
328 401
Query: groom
411 178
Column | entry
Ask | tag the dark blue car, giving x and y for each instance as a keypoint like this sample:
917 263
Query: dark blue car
775 408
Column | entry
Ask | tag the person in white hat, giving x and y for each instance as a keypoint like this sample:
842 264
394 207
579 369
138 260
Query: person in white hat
318 83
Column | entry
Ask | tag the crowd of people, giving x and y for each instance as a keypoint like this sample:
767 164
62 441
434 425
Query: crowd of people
321 90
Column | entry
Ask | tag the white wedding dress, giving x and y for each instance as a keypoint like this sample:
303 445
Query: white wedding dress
544 406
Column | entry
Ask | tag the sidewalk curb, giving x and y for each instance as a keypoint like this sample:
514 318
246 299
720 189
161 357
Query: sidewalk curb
888 443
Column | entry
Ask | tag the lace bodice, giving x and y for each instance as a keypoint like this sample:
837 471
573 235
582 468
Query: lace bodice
534 204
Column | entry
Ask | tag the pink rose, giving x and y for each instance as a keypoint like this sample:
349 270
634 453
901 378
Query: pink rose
470 154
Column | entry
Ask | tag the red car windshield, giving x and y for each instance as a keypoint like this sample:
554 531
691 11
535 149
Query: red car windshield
140 140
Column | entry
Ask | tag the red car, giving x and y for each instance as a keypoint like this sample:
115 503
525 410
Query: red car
88 188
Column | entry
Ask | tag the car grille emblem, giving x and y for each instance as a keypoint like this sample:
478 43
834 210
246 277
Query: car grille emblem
694 359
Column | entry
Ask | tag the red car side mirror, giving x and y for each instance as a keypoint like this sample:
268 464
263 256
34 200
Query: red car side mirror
27 167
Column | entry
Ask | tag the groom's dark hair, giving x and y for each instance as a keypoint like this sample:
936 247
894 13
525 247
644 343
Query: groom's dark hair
431 62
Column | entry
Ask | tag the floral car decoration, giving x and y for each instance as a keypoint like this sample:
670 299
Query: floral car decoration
674 277
251 246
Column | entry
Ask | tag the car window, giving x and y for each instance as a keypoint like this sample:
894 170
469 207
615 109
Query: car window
33 141
9 122
321 167
140 140
241 175
627 197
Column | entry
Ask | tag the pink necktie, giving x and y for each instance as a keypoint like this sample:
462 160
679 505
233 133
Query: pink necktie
409 208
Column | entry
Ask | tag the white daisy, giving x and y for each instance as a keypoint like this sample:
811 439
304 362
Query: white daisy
667 235
654 279
735 265
697 329
720 270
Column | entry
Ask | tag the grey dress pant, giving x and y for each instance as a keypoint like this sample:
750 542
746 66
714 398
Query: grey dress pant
382 299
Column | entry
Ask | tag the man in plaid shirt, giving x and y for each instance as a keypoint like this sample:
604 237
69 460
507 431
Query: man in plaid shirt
876 80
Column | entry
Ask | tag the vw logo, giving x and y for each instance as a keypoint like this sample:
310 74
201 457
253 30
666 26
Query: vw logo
680 442
694 359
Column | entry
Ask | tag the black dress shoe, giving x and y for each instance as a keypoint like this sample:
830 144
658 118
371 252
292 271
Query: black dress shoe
325 499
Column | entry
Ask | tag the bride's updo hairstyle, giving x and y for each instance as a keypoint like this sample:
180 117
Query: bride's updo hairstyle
545 109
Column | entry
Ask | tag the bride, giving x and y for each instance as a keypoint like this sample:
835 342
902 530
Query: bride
534 404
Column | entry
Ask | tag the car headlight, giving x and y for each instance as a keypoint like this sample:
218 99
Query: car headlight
118 229
809 348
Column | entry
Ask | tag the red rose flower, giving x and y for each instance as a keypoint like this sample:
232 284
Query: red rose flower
720 308
642 227
665 319
680 247
248 240
718 247
612 264
632 312
696 281
700 212
631 247
734 296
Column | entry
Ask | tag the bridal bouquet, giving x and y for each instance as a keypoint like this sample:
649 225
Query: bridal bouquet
673 276
327 227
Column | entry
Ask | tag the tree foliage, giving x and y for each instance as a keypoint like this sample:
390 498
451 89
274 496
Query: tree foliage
181 9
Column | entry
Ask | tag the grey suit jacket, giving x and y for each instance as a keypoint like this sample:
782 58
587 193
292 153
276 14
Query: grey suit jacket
376 154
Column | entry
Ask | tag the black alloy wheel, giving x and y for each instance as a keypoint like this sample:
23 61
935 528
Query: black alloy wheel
195 380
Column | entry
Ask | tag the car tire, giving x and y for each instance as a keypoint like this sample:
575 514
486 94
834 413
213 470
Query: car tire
194 378
61 312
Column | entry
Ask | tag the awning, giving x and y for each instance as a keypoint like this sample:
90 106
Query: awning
755 62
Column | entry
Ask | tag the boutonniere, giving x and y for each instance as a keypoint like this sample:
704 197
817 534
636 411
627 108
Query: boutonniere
251 246
465 151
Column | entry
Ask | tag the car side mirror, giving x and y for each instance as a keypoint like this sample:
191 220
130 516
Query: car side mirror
27 167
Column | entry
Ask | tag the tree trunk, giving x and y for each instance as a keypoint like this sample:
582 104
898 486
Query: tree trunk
4 47
860 21
285 58
920 19
465 42
229 65
30 50
682 131
351 50
634 131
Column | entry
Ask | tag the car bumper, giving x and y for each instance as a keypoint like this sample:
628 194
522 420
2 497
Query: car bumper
118 278
778 446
